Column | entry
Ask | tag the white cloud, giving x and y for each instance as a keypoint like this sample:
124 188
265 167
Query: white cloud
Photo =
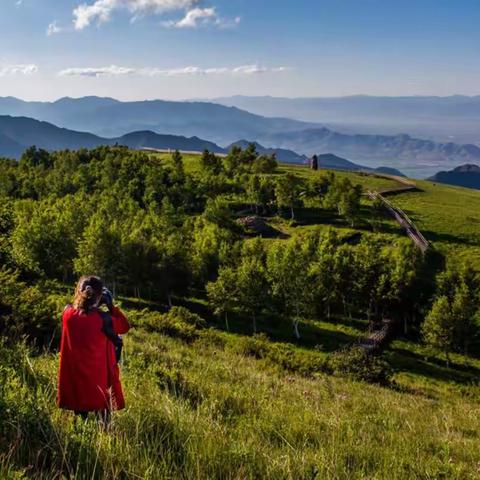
53 29
196 17
258 69
114 70
111 71
100 11
22 69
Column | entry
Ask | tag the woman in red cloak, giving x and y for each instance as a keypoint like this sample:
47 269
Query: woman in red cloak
89 377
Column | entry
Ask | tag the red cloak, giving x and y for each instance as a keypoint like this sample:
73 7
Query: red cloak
89 377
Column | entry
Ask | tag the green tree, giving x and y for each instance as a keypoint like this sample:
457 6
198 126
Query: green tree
287 191
438 328
252 287
288 273
211 163
223 293
99 250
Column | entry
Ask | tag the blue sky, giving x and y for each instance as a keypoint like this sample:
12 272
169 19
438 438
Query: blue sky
177 49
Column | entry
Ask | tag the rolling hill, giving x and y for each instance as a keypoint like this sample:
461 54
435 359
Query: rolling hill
259 406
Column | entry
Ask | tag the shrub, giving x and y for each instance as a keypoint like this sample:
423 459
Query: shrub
282 355
257 346
184 315
357 364
179 322
29 311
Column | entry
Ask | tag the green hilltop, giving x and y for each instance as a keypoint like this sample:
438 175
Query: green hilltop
260 369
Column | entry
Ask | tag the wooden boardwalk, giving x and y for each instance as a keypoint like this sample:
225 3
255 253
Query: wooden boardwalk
397 213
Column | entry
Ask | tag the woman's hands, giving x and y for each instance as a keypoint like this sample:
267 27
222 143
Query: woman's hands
107 298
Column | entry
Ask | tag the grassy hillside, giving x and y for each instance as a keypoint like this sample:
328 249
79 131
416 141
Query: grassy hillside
448 216
210 409
207 403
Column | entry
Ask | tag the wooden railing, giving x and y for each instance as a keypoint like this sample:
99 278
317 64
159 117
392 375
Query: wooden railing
404 221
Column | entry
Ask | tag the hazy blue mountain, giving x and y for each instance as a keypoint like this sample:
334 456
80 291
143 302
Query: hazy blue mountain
224 125
454 118
329 160
464 176
416 157
27 131
10 148
18 133
147 139
112 118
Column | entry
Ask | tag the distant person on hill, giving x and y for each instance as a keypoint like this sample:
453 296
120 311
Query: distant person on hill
89 379
314 162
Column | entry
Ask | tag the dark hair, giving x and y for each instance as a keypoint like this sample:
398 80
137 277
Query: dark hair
88 293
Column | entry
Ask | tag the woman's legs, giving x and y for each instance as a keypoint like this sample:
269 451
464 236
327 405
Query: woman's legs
83 415
103 417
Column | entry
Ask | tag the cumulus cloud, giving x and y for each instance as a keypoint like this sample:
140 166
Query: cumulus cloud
100 11
21 69
193 17
196 17
194 13
114 70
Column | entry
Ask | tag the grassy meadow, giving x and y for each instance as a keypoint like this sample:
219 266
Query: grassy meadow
207 403
210 408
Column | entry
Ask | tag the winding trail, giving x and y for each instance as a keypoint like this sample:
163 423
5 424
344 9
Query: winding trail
380 338
397 213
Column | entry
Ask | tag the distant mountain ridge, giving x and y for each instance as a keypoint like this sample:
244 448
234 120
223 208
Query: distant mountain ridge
329 160
19 133
110 118
398 151
451 118
463 176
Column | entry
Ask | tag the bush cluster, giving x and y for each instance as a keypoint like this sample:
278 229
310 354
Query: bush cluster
356 363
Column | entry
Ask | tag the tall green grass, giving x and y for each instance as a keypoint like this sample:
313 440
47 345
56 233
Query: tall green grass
205 409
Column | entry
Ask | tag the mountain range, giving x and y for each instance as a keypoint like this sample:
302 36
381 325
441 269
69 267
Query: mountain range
108 117
464 176
453 118
18 133
224 125
414 156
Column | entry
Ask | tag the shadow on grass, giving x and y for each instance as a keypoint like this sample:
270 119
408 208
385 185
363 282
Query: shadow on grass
447 237
319 216
432 367
276 328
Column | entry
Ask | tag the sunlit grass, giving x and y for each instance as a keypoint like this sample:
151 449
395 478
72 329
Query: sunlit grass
204 410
